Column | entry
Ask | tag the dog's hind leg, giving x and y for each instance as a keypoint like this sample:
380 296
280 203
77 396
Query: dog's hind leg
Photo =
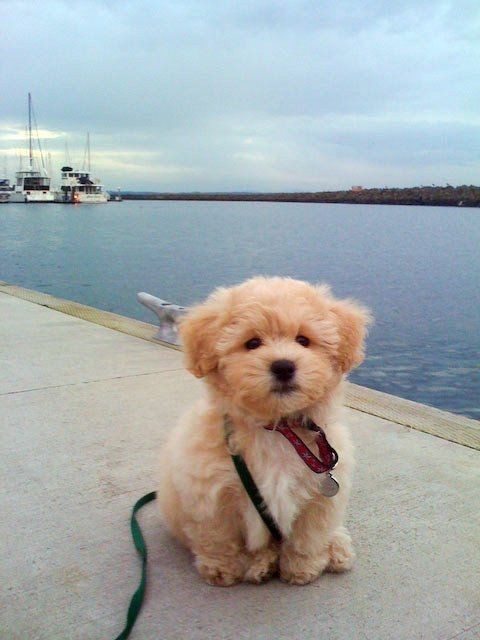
221 570
218 549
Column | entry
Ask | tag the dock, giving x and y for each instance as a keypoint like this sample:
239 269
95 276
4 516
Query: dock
87 398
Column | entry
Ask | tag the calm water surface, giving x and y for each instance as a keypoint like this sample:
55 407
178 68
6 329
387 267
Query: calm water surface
417 268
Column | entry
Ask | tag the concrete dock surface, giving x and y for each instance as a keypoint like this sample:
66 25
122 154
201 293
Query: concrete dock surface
84 410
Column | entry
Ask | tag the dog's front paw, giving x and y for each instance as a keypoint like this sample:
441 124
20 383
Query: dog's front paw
340 551
299 569
262 565
220 573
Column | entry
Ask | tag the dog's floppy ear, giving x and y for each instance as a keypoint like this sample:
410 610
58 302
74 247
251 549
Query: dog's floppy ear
199 332
352 321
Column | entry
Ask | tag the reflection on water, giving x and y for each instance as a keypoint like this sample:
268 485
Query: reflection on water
418 268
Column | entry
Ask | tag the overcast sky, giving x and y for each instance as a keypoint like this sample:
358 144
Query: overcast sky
249 95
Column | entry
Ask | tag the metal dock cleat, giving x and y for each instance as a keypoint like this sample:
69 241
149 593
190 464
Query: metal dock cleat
168 315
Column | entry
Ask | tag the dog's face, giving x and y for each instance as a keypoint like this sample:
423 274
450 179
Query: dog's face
273 346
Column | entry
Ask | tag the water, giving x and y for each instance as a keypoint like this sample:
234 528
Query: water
417 268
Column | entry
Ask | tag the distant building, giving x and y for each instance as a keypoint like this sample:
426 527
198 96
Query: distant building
357 188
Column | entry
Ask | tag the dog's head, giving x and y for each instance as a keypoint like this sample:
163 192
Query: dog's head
274 346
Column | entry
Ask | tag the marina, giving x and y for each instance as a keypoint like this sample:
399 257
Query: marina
33 184
103 395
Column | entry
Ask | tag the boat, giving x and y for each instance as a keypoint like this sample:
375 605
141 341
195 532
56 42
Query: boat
5 190
32 184
116 197
78 187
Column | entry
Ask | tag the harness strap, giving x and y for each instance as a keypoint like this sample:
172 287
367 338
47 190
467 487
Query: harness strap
249 484
256 497
137 598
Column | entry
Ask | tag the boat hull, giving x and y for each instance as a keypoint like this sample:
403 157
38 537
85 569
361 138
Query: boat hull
82 198
32 196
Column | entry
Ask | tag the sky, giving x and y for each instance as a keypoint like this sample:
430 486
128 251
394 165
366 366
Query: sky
257 95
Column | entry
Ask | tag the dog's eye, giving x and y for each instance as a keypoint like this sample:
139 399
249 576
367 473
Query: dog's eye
253 343
303 340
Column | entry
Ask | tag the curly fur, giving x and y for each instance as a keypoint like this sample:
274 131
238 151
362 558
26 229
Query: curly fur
201 497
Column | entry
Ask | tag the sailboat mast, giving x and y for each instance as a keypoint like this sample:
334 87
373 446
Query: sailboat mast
30 155
88 152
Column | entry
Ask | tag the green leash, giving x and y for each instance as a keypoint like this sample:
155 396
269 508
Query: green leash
254 495
139 542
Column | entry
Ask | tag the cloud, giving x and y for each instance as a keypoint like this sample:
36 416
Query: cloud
327 94
11 134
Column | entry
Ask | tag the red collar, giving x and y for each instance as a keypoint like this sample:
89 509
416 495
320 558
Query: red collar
327 456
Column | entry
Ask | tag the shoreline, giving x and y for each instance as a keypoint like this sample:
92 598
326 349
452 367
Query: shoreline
464 196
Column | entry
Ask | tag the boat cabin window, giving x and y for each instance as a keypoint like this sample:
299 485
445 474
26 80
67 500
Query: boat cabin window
36 183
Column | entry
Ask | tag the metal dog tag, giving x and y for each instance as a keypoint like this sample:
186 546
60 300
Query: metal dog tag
330 486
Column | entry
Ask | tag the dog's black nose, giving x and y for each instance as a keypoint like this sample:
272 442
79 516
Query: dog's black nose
283 370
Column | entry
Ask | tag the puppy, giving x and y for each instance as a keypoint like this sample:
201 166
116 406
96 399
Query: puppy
269 349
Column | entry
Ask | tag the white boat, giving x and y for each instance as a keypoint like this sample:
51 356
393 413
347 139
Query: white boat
78 187
5 190
31 184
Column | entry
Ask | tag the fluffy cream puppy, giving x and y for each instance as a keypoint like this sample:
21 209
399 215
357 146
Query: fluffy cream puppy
268 349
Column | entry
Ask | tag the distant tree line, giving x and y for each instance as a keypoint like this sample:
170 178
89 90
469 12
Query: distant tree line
448 196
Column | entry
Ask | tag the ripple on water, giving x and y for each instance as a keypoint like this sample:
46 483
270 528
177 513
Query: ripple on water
180 251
